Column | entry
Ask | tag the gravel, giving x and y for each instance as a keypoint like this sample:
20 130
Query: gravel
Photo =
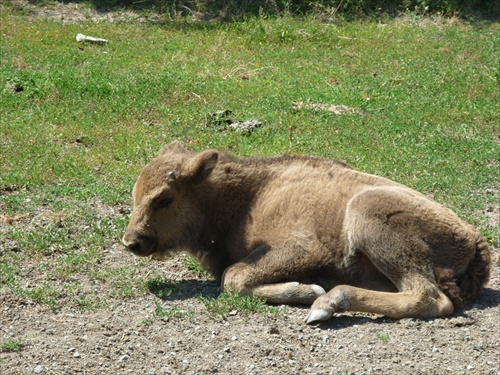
127 337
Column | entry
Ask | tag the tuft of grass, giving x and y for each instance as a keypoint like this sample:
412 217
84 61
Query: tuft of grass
163 312
43 293
89 303
382 337
194 266
172 312
12 345
229 303
123 286
161 287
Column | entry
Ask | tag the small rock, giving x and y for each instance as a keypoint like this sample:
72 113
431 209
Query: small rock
38 369
76 354
124 357
247 126
461 321
274 331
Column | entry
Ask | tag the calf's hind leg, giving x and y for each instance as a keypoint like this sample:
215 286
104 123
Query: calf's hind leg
389 226
425 302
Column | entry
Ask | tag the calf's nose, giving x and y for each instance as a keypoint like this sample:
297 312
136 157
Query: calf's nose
134 247
136 243
130 240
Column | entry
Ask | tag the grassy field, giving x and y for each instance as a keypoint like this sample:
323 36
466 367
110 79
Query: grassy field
78 123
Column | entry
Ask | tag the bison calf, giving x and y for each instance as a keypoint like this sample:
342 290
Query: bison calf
288 228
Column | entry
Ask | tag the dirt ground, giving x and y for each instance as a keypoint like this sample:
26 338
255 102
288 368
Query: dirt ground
124 338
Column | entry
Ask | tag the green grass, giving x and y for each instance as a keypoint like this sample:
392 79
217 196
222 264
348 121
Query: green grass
12 345
194 266
172 312
78 123
383 337
229 303
163 288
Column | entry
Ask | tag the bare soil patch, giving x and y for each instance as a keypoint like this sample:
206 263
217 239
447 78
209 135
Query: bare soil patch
127 336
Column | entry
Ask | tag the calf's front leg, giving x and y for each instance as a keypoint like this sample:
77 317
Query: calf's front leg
249 280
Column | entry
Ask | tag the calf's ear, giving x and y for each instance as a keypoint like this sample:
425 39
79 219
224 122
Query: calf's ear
174 147
200 166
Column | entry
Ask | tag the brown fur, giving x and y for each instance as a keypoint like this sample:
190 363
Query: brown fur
287 228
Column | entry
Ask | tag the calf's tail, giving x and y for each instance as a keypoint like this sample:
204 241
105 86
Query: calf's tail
464 287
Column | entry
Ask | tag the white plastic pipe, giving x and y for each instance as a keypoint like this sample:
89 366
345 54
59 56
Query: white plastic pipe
90 39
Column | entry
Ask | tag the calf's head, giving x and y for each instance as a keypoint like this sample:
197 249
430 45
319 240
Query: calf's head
166 200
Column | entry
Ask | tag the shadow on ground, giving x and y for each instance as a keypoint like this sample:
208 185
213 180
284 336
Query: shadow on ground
183 289
483 10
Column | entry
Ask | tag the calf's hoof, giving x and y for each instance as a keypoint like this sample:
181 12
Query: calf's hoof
316 315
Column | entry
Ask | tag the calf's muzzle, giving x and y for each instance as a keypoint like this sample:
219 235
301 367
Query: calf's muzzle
138 244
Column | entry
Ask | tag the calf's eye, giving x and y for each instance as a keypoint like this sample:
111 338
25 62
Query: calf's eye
164 203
